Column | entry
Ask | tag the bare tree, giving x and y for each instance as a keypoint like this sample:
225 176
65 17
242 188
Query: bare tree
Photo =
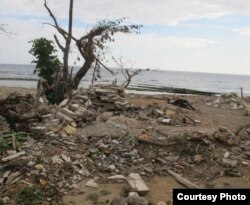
90 45
128 73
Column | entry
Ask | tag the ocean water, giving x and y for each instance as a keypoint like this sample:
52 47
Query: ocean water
22 76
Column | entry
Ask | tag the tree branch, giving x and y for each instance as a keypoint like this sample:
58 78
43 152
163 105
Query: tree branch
58 43
112 72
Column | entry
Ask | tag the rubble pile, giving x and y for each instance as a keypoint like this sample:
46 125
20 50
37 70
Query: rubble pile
228 101
167 114
110 97
84 138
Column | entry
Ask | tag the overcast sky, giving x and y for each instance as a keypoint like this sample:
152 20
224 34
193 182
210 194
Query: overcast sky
186 35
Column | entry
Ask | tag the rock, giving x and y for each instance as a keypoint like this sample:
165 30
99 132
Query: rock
137 183
224 135
119 201
158 113
39 166
229 163
63 117
133 194
56 159
172 158
148 169
67 112
244 163
166 121
197 158
161 160
64 103
161 203
104 116
65 158
137 200
117 177
91 183
69 130
143 115
226 155
233 173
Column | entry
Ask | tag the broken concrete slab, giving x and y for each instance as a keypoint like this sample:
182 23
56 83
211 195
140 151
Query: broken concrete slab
137 183
63 117
64 103
68 112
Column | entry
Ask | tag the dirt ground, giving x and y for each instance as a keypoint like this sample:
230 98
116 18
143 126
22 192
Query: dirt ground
161 186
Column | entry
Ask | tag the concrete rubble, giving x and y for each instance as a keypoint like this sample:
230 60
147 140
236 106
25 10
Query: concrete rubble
227 101
98 133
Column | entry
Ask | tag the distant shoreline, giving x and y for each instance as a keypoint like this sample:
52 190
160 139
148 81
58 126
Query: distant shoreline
23 79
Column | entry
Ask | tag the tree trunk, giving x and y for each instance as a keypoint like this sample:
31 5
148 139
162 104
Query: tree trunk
68 42
81 73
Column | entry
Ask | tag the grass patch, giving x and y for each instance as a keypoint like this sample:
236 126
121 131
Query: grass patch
30 195
1 201
93 197
105 192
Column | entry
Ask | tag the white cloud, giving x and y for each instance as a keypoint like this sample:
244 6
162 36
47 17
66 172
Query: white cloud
243 31
140 11
153 41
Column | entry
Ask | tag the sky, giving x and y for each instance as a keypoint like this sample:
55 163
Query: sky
181 35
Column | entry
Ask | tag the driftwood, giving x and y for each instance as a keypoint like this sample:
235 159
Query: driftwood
183 181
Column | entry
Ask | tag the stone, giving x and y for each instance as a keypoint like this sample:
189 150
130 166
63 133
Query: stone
88 103
158 113
161 160
161 203
224 135
197 158
56 159
64 103
226 155
39 166
244 163
133 194
172 158
166 121
68 113
69 130
104 116
91 183
47 117
65 158
137 200
148 169
137 183
229 163
63 117
143 115
119 201
117 177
